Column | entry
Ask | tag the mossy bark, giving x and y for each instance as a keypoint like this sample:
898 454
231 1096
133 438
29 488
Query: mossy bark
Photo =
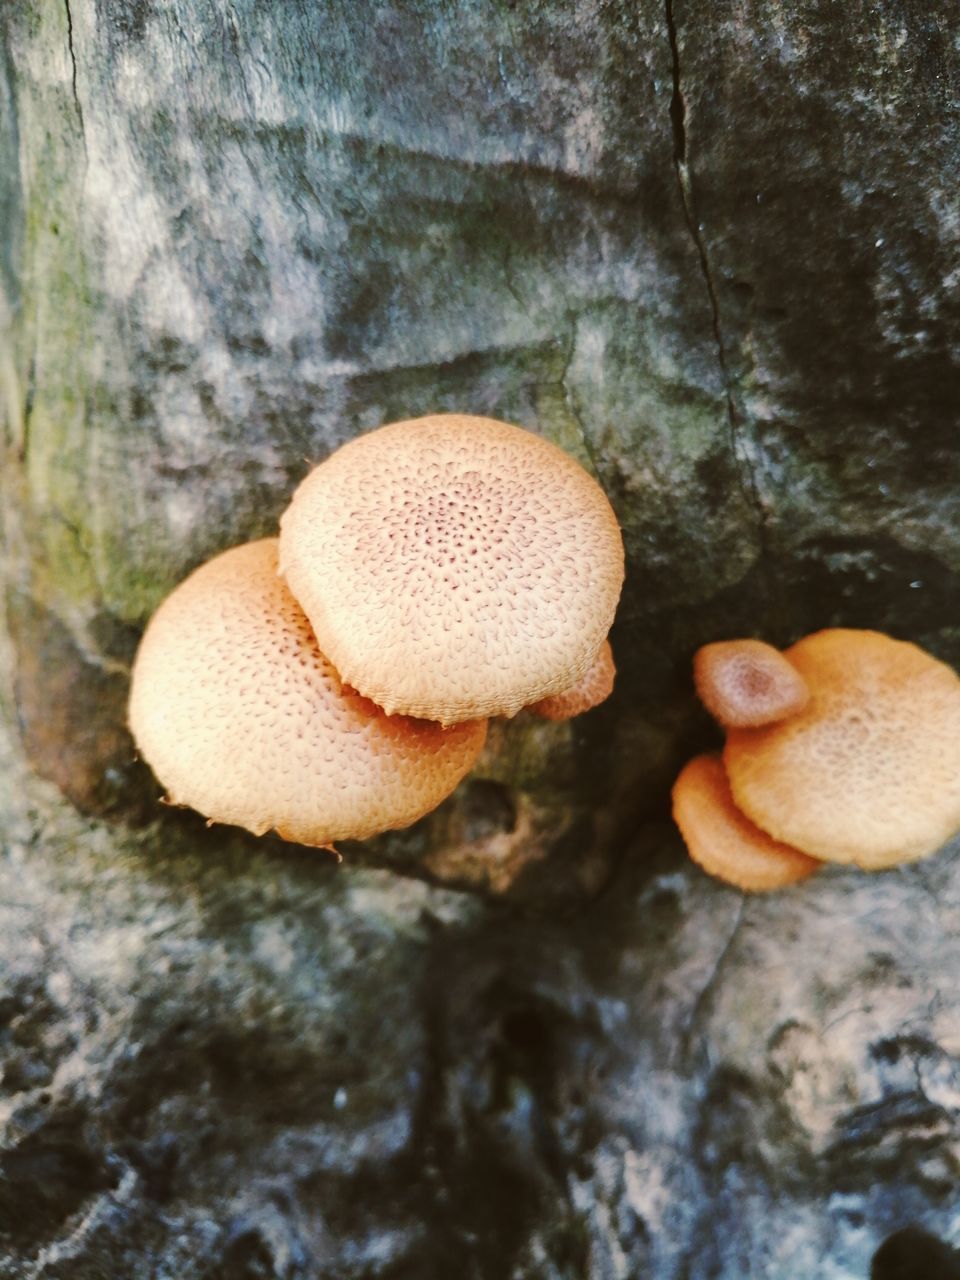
686 247
711 250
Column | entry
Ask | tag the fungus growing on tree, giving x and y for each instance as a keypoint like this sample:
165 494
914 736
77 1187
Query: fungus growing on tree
242 717
454 566
869 771
746 683
723 841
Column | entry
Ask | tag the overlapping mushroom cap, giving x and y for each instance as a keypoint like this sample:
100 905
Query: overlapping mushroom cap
724 841
746 683
454 566
869 771
242 717
593 687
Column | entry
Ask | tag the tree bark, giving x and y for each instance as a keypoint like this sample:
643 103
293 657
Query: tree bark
710 250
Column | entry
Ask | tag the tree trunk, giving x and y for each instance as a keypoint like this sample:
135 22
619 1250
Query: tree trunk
712 251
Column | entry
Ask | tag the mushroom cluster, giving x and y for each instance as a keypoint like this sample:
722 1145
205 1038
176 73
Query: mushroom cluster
845 748
336 682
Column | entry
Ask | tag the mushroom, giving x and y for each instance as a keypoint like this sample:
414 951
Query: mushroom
746 683
454 566
869 771
242 717
589 691
723 841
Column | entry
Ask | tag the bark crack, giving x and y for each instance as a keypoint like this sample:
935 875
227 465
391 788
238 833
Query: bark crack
703 999
678 119
73 74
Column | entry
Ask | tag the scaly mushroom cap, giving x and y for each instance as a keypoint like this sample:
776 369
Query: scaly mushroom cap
723 841
454 566
241 716
869 771
589 691
746 683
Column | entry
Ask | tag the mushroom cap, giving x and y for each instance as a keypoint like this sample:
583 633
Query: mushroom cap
241 716
594 687
454 566
869 771
746 683
723 841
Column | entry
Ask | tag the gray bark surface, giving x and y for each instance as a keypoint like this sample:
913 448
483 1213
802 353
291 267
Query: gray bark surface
711 250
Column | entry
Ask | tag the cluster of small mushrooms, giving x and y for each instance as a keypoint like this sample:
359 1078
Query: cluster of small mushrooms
336 682
845 748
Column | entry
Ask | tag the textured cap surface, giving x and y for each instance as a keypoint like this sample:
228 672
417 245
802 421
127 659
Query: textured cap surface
590 690
241 716
869 771
746 683
723 841
454 566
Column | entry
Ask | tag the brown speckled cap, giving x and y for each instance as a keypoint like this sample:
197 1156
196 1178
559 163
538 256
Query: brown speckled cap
869 771
724 842
594 687
454 566
746 683
242 717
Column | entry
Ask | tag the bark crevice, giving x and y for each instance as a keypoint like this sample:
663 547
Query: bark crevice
701 1004
73 74
678 118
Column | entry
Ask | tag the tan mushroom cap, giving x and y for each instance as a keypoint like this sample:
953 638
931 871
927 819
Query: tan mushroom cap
242 717
869 771
590 690
723 841
454 566
746 683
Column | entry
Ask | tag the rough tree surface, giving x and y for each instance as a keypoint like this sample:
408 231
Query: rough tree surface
713 250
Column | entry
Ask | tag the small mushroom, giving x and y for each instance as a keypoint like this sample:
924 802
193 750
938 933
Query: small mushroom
242 717
589 691
869 771
723 841
746 683
454 566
